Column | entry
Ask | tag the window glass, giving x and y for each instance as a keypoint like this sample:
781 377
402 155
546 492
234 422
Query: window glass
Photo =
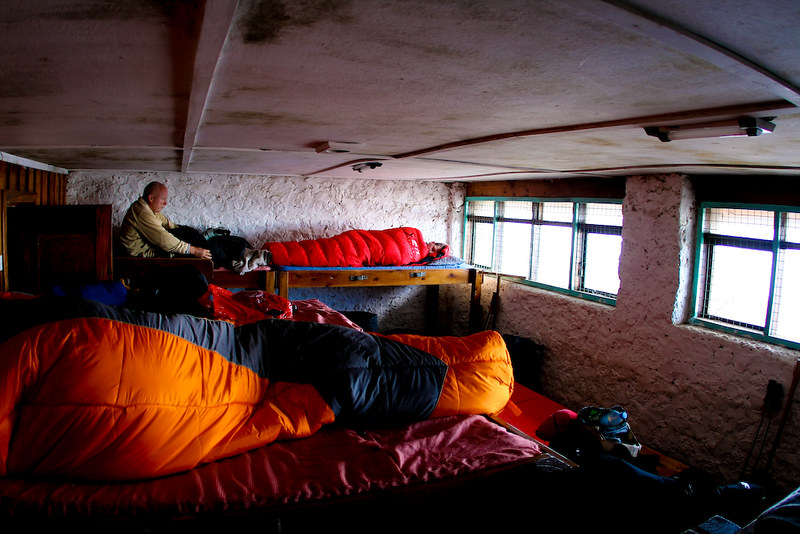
748 275
517 210
565 246
482 208
557 211
482 249
515 254
607 214
552 263
786 309
793 227
740 223
738 289
602 263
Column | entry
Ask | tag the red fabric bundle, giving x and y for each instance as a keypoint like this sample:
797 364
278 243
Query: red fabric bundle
245 307
556 425
354 248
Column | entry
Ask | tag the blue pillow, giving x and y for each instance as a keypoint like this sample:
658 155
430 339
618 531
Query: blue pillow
112 293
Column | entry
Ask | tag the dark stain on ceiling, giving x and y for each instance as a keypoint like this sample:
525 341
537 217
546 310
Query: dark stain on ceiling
264 19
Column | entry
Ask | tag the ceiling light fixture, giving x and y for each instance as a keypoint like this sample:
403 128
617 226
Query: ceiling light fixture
743 127
368 165
337 147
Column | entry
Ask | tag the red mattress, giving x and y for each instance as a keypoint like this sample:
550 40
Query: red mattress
332 464
527 410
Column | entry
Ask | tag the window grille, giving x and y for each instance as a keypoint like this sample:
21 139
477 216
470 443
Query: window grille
570 246
748 271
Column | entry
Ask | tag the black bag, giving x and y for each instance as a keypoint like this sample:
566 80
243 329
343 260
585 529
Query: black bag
225 249
189 235
170 290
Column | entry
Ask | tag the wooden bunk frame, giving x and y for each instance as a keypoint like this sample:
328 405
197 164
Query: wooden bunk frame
136 268
386 277
279 281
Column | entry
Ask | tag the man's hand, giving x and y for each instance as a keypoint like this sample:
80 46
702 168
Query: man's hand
202 253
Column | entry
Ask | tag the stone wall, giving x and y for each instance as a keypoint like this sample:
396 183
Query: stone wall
267 208
694 393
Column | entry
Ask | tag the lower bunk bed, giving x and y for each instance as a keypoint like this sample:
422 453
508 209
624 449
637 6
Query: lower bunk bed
427 476
458 470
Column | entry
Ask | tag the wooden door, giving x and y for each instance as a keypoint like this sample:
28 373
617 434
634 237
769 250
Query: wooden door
10 199
57 245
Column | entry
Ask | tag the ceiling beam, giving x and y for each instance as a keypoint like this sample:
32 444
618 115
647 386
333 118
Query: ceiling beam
672 35
217 22
31 164
759 108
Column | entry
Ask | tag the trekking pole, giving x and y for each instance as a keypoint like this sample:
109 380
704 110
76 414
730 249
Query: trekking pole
772 404
786 409
491 317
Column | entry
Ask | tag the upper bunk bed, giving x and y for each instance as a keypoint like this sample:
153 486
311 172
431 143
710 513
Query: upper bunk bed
445 271
279 279
373 258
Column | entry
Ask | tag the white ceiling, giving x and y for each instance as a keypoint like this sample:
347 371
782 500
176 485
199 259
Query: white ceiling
443 90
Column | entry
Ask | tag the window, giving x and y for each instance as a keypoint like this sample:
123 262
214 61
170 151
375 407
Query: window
748 271
570 246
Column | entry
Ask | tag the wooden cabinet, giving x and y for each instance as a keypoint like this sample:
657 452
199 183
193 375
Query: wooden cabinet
58 245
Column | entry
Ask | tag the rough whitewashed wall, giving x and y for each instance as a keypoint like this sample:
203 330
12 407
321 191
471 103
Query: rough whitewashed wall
691 392
266 208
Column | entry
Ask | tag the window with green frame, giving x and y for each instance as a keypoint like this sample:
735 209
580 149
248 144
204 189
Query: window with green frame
571 246
747 271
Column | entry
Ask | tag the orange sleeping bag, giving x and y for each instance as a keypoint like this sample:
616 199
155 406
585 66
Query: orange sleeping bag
479 378
95 392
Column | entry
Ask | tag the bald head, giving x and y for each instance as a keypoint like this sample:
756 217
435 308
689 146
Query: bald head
155 194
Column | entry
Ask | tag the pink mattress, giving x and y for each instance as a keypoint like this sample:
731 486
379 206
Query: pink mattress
332 464
316 311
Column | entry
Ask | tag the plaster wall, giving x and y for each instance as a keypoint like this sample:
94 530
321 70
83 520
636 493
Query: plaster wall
694 393
268 208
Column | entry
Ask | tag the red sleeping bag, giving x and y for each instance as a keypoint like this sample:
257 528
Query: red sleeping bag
354 248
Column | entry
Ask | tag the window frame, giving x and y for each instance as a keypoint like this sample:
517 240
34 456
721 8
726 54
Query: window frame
699 281
579 228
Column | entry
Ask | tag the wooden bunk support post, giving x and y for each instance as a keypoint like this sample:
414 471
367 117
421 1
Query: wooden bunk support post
475 310
377 277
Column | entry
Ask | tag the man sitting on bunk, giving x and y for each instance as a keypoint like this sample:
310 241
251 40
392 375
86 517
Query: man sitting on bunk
145 229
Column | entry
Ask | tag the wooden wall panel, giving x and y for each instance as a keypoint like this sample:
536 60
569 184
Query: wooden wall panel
19 184
58 245
779 190
550 188
776 190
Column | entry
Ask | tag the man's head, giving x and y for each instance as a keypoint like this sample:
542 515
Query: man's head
155 194
438 249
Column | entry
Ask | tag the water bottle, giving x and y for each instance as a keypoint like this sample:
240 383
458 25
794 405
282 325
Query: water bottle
613 417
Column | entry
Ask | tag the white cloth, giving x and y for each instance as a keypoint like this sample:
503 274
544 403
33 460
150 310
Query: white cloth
251 259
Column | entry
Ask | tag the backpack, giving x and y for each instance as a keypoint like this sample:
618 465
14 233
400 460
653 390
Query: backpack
608 428
225 248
